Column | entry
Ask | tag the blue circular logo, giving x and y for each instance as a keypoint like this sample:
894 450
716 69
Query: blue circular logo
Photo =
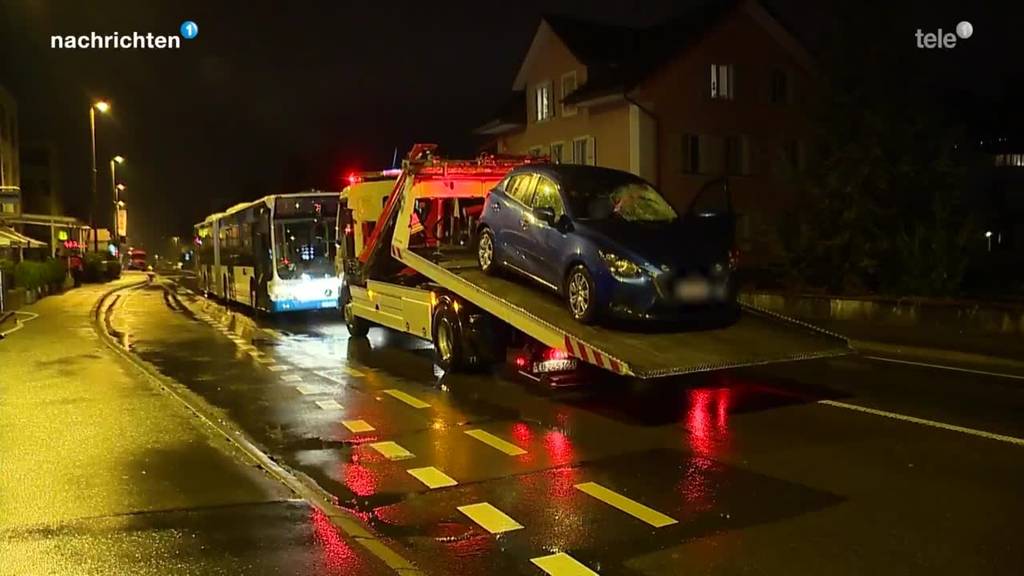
189 29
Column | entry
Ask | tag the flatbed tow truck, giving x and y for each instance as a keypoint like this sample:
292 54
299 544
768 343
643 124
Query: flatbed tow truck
417 273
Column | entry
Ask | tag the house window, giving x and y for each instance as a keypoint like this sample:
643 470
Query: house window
691 154
722 81
557 152
780 87
543 102
568 87
794 155
737 155
584 151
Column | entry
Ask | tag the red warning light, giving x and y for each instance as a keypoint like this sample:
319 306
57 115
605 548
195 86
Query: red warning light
353 178
555 354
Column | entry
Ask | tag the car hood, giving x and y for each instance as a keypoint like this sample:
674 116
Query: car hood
686 243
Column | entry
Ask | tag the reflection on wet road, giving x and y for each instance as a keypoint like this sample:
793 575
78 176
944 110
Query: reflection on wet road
732 472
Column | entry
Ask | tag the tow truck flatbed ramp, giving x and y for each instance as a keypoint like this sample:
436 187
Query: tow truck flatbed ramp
756 338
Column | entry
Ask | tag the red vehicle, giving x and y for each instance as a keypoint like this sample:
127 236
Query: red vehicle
137 260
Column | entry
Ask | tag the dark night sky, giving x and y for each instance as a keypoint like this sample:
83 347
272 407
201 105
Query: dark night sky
281 96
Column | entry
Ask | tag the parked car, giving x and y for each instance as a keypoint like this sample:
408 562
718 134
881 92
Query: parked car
608 242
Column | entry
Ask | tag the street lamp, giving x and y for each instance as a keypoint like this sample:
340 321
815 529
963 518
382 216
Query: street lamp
103 107
988 236
115 189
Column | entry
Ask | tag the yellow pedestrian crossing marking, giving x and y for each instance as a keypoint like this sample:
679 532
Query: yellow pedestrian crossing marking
407 398
291 378
279 368
631 507
432 477
496 443
561 564
328 404
490 518
352 371
357 426
392 450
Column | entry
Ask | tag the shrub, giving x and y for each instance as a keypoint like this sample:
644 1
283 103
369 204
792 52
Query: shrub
56 272
94 267
30 275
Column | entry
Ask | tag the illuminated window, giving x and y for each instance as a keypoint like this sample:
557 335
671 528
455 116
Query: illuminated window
1009 159
568 87
722 81
542 102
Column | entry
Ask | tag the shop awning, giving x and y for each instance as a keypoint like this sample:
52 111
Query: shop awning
9 238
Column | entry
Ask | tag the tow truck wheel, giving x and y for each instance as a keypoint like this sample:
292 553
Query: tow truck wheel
581 294
357 327
485 251
448 352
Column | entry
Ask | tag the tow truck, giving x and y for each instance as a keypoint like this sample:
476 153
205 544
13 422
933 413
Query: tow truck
408 260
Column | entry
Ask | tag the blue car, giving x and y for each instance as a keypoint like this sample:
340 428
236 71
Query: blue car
608 243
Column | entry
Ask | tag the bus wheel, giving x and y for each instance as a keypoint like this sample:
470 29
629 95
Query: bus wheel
357 327
449 354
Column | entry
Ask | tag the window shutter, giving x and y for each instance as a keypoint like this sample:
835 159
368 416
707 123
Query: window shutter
591 151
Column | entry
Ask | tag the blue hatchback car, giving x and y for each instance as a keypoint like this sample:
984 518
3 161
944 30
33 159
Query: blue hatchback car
608 242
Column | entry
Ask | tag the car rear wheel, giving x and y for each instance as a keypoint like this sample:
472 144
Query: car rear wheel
485 252
581 294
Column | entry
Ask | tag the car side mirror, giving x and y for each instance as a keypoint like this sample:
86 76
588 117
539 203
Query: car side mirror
545 214
564 223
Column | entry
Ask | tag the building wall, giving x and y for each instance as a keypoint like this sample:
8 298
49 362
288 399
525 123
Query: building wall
10 195
678 96
40 179
608 126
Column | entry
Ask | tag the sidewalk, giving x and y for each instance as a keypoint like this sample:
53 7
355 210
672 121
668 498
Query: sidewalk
102 473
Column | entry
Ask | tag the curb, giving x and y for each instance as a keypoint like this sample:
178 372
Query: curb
298 483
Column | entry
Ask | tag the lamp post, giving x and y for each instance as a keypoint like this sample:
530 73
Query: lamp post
103 107
114 190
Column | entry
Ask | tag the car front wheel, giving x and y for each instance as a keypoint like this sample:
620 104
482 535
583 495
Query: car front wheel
485 252
581 294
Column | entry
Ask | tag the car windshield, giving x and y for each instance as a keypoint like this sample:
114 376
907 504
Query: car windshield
603 194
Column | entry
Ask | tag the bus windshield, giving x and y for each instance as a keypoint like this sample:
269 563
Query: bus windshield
304 242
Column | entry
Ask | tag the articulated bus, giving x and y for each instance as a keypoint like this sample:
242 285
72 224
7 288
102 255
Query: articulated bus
275 254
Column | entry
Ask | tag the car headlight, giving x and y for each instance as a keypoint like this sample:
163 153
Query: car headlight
621 267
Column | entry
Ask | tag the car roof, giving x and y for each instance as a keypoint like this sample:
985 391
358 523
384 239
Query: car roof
559 171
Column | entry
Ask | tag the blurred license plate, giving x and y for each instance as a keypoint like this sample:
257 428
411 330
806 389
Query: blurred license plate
693 289
554 365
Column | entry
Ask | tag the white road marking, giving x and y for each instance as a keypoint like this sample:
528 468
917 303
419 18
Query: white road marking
19 324
306 390
291 378
329 405
951 368
278 367
924 422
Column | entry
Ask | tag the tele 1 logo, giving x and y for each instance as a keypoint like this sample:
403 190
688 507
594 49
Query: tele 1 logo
944 40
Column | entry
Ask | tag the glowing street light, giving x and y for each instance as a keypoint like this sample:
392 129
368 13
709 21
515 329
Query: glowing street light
104 107
988 236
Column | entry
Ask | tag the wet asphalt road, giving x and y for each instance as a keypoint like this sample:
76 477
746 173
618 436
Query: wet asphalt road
103 474
742 472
